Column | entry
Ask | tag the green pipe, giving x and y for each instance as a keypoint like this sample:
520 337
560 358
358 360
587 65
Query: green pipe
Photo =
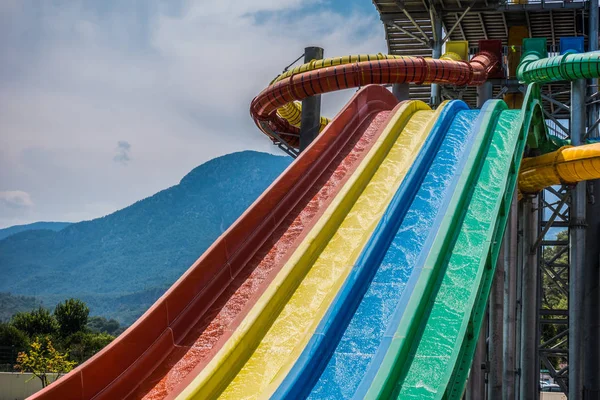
534 68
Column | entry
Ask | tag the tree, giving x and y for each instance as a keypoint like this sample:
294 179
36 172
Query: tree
36 322
83 345
14 340
72 316
42 360
102 325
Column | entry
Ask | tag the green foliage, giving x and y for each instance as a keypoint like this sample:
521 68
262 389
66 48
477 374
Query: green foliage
11 304
120 264
72 316
102 325
43 360
12 341
36 322
83 345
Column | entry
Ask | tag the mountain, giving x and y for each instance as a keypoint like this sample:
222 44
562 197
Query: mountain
120 264
52 226
10 305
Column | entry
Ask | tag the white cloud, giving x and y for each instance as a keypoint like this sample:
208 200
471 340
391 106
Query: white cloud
15 199
174 78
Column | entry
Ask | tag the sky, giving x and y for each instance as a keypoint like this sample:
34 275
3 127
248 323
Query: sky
103 103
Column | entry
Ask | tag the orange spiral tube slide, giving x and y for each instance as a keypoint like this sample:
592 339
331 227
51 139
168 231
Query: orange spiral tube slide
566 165
419 70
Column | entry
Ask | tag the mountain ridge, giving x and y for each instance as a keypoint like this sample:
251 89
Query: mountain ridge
120 263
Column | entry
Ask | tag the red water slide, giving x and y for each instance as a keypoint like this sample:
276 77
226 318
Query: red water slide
179 334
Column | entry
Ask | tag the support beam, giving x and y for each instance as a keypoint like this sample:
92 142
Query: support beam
509 257
455 24
495 342
436 53
530 370
591 361
410 18
577 251
401 91
476 382
484 93
311 106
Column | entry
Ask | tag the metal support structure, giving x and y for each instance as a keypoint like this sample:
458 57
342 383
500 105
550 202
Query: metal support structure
484 93
476 383
577 251
495 335
591 335
509 259
401 91
529 331
311 106
436 53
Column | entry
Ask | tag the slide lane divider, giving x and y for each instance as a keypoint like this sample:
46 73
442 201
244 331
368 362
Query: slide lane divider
237 351
313 360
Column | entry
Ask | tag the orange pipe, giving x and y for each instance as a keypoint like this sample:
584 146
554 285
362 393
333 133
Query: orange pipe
419 70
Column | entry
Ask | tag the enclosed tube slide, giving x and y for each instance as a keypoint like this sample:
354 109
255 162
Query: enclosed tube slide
419 70
568 165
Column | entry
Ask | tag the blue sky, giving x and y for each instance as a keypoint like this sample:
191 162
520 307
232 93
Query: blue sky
103 103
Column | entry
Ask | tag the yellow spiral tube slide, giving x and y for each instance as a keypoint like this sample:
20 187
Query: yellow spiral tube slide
566 165
292 112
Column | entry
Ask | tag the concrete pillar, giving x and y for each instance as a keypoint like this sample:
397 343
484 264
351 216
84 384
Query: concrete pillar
311 106
577 229
530 370
510 304
401 91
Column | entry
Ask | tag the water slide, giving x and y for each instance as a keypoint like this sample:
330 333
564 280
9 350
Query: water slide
364 269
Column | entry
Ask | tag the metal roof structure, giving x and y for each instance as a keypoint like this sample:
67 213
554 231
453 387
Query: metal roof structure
409 30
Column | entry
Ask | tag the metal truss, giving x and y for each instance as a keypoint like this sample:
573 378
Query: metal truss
553 282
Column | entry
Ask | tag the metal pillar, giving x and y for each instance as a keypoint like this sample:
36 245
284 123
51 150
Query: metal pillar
436 53
401 91
591 357
509 257
530 371
484 93
311 106
476 382
495 342
577 251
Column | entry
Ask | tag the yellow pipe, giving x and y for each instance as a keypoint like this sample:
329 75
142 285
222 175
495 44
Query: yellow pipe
242 358
566 165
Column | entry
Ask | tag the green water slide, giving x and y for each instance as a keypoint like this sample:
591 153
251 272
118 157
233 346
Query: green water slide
433 347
